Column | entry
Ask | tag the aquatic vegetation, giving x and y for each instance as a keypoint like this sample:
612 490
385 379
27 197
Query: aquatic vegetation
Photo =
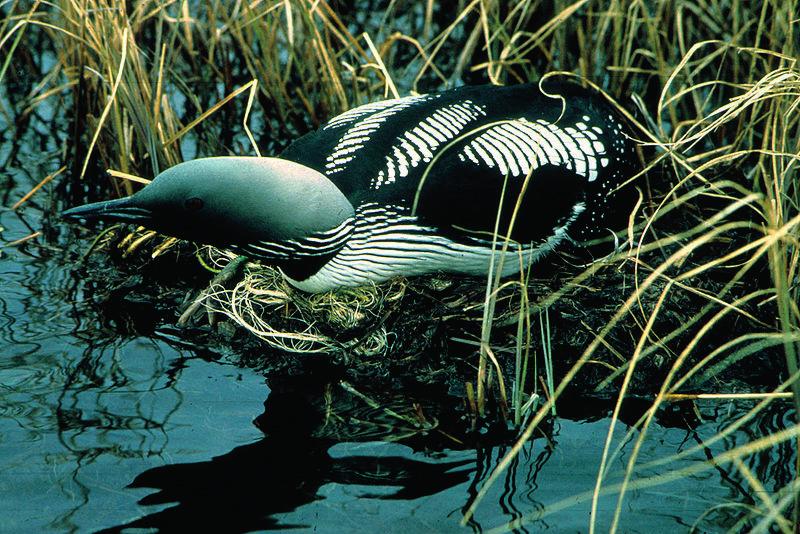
700 295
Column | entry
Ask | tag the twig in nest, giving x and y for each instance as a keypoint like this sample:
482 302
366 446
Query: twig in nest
231 271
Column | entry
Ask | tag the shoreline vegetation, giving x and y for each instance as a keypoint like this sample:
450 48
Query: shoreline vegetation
699 300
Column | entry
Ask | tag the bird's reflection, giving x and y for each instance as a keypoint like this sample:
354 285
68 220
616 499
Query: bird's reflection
315 434
244 489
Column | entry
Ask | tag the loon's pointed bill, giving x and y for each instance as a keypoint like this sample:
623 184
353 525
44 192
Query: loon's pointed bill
408 186
121 210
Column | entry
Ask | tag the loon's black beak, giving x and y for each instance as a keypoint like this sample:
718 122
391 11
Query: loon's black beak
123 210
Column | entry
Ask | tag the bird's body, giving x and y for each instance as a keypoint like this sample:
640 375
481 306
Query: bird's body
420 184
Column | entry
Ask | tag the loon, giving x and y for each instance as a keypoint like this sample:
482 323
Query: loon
405 187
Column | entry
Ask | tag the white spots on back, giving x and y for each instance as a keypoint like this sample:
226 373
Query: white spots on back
401 160
585 144
478 146
580 167
556 152
390 169
366 109
366 121
471 155
432 131
492 151
520 163
420 143
518 146
412 147
409 150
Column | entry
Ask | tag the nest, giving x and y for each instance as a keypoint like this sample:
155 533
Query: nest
401 317
266 306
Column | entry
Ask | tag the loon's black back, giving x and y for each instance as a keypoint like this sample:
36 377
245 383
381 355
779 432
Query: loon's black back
469 140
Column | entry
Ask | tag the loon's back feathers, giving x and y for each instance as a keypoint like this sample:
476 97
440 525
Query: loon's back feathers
471 145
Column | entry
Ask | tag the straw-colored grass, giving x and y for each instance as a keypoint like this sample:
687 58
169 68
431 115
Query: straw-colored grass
705 280
263 299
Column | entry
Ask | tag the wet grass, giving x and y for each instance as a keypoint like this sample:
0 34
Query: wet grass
701 299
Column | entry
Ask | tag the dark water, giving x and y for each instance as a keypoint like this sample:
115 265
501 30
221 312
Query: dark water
106 424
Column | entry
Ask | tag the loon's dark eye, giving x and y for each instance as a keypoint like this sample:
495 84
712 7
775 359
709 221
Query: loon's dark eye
193 204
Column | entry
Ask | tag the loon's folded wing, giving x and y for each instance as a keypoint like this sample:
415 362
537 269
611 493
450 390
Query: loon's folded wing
474 201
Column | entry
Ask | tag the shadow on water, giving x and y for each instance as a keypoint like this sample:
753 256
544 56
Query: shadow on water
247 487
330 463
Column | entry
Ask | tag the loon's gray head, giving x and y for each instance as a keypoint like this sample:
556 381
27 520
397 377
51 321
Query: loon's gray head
230 200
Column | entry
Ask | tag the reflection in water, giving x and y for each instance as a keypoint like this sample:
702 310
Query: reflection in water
244 489
327 462
76 431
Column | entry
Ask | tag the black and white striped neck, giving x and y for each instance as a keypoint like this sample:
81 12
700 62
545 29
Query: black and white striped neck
300 257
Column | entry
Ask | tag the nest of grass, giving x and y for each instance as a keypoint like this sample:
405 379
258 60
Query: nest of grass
266 306
395 319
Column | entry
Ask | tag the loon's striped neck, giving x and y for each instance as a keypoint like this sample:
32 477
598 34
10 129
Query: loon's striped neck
302 257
